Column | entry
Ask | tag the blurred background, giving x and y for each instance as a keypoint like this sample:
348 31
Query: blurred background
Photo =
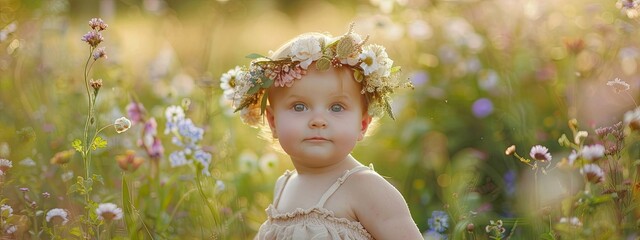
487 74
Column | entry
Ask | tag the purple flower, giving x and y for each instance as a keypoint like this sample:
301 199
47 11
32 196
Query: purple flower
97 24
136 110
419 78
99 53
482 107
510 182
93 38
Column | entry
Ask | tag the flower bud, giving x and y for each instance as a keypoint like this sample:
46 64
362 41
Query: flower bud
470 227
129 161
122 124
62 157
510 150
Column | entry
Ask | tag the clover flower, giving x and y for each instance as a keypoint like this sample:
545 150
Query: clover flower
618 85
57 216
593 173
439 221
593 152
540 153
306 50
4 166
122 124
108 212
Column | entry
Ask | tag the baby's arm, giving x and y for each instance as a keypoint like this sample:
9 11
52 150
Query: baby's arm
381 209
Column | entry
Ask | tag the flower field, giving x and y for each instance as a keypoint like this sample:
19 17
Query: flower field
523 121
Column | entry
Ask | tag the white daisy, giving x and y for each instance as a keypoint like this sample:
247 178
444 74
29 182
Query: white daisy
6 210
593 152
27 162
108 212
574 221
375 60
228 82
248 161
306 50
57 216
540 153
593 173
268 162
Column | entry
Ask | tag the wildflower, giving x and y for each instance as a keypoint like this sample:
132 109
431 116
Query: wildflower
66 176
220 186
108 212
27 162
482 107
629 7
248 161
6 211
129 161
495 229
573 221
540 153
4 166
251 115
178 159
10 229
24 189
572 157
352 57
510 150
438 221
174 114
593 173
135 111
632 119
97 24
433 235
375 59
618 85
95 84
122 124
593 152
228 82
268 162
57 216
150 141
306 50
99 53
574 46
46 195
62 157
93 38
204 159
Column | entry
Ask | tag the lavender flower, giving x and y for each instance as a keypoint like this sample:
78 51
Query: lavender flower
97 24
93 38
99 53
135 111
482 107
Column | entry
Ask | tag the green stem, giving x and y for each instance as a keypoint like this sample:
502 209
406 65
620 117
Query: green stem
35 225
204 198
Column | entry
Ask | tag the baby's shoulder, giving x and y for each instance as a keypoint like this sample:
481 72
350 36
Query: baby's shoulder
368 181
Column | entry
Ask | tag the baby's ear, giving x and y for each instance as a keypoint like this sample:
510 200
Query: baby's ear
271 120
364 125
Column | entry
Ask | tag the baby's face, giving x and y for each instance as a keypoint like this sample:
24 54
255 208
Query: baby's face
320 118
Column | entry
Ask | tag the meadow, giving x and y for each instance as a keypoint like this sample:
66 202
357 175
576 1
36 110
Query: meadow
523 122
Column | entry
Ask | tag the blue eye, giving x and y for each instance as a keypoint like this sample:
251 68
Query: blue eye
337 108
299 107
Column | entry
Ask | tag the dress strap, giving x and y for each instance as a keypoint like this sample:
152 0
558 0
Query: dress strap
337 184
279 189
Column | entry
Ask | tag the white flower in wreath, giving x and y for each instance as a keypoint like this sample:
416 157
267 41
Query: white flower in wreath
228 82
353 58
375 59
306 50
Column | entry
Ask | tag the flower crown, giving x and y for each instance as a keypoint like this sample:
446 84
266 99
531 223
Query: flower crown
246 86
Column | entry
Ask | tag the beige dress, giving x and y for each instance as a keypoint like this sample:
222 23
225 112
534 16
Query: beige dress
313 223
